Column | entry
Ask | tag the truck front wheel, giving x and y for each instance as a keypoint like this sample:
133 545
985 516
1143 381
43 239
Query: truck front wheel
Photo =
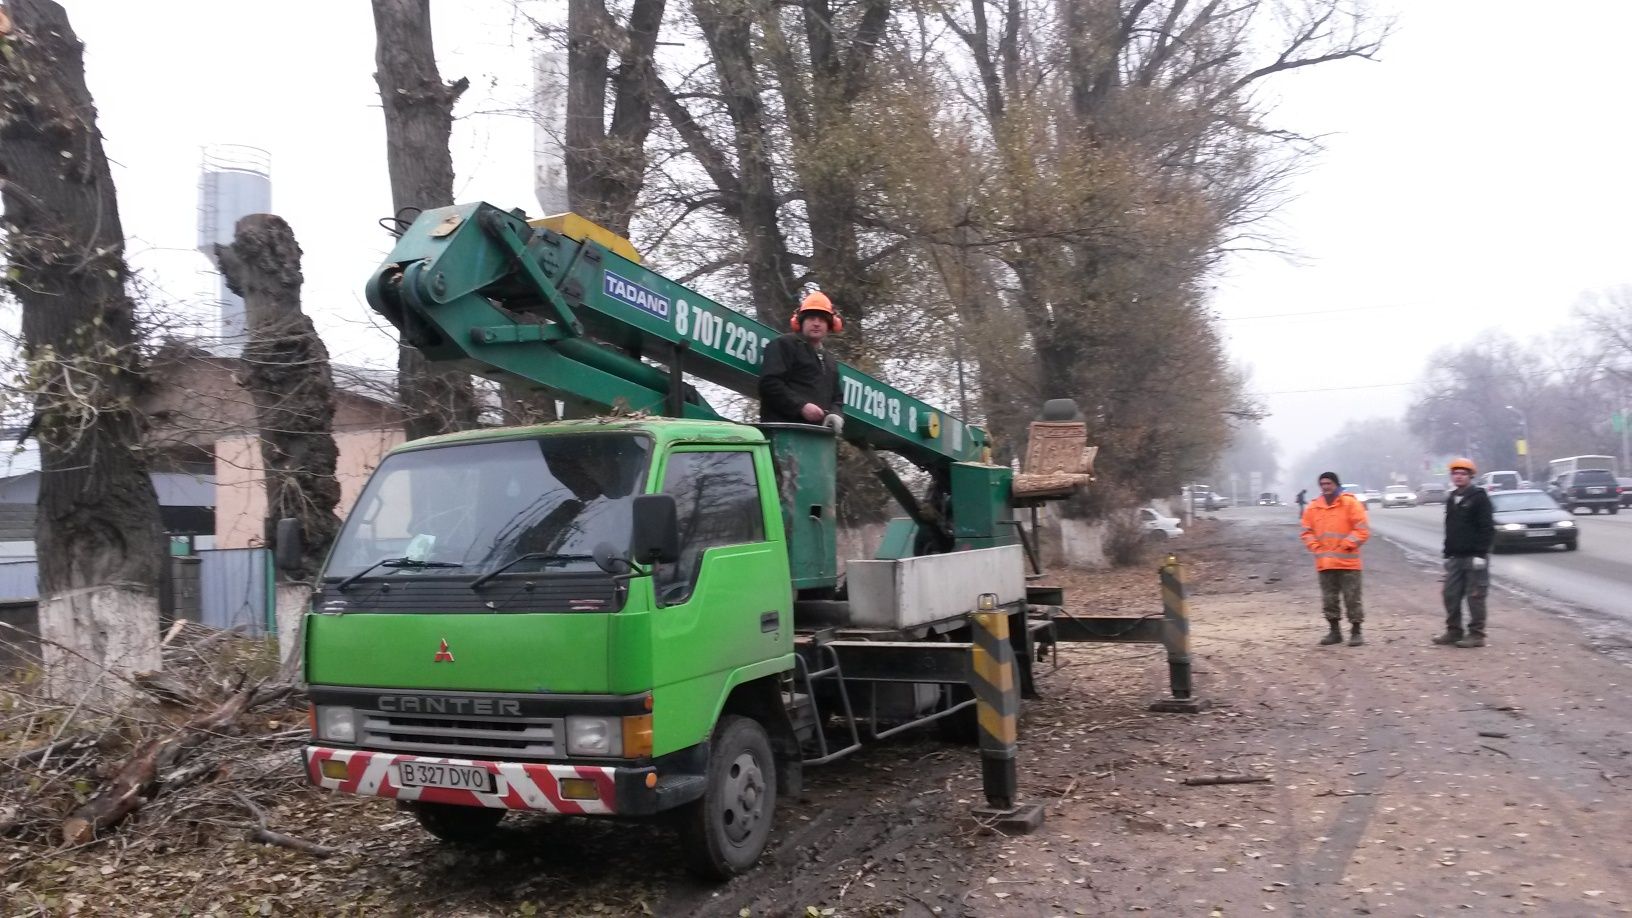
454 823
725 832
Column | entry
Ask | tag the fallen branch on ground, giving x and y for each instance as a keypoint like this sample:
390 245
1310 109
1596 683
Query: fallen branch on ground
1204 780
260 833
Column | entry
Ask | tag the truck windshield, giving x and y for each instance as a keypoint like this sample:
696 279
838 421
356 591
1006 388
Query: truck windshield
484 505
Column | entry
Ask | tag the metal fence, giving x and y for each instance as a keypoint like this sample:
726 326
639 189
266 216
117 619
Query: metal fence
235 588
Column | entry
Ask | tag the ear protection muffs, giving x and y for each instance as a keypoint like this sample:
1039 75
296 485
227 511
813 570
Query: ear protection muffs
835 324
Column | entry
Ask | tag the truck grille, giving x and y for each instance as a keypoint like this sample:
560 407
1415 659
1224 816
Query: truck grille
511 737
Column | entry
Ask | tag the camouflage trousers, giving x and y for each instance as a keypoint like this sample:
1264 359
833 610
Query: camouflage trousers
1464 580
1344 585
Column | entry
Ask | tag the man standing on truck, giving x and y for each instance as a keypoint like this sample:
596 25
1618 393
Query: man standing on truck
799 380
1470 530
1334 528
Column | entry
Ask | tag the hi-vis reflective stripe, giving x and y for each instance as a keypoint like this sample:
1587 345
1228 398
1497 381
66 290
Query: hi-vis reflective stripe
1337 554
1335 535
997 691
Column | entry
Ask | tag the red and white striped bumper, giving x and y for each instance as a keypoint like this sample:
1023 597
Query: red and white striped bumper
517 785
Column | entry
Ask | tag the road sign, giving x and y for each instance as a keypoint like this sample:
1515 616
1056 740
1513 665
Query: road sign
1523 447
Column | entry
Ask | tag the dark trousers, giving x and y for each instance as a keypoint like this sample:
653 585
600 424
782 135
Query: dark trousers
1461 580
1344 585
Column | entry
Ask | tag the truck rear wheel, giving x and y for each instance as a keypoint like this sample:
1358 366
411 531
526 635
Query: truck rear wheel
460 824
725 832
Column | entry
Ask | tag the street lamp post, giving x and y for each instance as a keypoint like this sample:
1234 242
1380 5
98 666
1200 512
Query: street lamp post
1529 455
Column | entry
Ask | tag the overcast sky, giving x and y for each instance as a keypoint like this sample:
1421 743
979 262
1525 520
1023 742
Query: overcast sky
1474 178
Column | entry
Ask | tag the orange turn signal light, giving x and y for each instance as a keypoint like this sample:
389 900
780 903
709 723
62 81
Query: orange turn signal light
333 769
637 736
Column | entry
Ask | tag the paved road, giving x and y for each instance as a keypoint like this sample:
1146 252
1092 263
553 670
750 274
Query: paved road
1597 576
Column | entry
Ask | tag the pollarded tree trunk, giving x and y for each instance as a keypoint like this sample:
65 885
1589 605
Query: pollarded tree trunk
418 119
286 370
99 538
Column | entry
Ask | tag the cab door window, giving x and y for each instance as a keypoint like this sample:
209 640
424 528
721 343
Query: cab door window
716 497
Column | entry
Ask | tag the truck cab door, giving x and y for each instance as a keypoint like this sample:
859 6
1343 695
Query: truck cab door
727 603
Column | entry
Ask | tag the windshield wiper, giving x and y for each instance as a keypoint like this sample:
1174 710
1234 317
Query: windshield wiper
393 562
479 582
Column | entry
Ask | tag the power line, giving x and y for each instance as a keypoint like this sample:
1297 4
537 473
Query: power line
1394 385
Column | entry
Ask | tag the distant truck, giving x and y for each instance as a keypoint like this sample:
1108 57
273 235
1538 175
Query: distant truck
1565 466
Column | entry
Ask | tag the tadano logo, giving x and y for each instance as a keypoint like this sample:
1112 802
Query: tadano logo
627 291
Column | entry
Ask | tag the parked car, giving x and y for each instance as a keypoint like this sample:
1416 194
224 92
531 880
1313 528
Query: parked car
1399 496
1500 481
1532 519
1626 491
1159 528
1269 499
1595 489
1431 492
1367 496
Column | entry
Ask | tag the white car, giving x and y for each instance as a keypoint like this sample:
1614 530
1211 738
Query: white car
1159 528
1399 496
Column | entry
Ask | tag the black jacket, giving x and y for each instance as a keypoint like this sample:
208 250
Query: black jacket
794 375
1470 527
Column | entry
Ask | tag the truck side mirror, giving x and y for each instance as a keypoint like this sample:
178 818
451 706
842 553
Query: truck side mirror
289 548
655 530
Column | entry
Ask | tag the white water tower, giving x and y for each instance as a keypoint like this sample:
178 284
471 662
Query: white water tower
234 181
550 132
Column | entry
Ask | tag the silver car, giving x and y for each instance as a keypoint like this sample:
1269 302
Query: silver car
1399 496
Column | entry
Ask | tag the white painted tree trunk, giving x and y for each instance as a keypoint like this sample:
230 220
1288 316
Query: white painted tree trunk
96 638
292 601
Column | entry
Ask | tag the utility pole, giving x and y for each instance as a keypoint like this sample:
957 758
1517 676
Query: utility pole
1524 442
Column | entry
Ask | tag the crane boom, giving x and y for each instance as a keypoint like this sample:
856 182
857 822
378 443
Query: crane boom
482 288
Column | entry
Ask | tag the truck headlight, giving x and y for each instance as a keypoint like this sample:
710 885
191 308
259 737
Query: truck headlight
602 736
1565 524
336 723
1512 527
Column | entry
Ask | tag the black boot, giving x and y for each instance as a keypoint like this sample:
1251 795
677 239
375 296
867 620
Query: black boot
1335 636
1448 638
1355 640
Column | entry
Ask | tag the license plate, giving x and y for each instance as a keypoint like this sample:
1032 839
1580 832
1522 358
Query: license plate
1595 490
1539 532
458 777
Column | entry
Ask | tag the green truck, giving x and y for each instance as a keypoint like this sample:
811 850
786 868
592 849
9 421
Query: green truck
642 614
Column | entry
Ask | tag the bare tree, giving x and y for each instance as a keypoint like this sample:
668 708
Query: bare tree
286 370
99 539
606 163
418 120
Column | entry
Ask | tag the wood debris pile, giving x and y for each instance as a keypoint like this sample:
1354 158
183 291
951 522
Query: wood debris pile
184 753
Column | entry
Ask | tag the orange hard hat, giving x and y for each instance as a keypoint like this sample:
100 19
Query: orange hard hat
817 301
1462 464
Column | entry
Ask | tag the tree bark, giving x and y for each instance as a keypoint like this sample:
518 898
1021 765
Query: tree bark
418 121
286 370
98 538
727 28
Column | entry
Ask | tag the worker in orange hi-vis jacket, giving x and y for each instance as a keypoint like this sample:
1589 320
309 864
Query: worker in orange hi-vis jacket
1334 528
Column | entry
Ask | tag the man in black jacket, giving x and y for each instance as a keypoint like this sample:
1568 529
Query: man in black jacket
1470 528
799 380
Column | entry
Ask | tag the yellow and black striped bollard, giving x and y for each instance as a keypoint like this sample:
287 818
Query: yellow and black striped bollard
996 684
1176 638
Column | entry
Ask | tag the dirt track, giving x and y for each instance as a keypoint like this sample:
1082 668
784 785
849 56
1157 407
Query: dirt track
1384 798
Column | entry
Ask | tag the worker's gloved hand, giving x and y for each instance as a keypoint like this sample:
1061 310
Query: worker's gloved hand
1480 564
836 422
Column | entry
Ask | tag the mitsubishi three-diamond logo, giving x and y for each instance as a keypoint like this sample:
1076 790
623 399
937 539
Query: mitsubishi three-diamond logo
443 654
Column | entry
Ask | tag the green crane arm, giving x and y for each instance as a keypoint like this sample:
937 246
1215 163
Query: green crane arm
479 288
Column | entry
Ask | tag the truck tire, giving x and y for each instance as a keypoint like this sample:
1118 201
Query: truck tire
725 832
458 824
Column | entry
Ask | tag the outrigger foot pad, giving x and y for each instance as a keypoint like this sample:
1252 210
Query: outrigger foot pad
1019 820
1177 705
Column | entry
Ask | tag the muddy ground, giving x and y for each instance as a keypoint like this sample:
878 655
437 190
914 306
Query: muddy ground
1404 779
